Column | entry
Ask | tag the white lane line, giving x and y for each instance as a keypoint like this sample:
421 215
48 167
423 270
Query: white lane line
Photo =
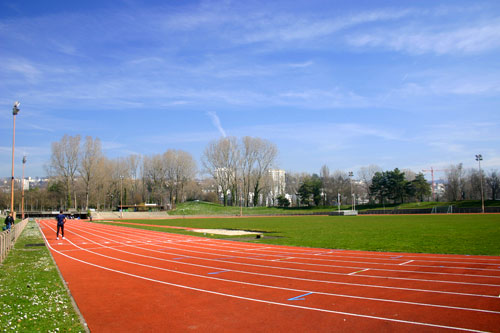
361 271
210 267
210 242
217 244
391 258
404 263
324 272
348 252
279 259
254 299
350 267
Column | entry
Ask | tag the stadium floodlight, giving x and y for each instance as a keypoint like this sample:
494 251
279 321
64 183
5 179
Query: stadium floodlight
479 158
351 174
121 196
22 190
15 111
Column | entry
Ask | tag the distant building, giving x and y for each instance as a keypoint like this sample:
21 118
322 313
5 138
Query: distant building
277 184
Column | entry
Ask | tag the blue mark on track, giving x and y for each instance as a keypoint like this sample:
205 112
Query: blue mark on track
181 258
396 257
298 298
218 272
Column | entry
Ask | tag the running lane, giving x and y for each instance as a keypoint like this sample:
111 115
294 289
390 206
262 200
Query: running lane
125 279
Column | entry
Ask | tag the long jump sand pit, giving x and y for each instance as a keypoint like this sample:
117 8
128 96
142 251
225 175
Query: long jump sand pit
227 232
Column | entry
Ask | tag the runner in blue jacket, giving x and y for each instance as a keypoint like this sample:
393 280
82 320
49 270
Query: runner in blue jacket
61 219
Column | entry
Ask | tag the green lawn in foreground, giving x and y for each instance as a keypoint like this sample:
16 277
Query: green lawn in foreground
460 234
32 295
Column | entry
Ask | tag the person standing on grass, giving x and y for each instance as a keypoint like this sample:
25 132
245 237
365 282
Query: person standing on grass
9 220
61 219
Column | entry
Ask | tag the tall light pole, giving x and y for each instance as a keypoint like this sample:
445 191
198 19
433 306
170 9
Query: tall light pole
479 158
351 174
338 201
22 190
121 197
15 111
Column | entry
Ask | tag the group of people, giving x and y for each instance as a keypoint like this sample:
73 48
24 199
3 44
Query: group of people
61 220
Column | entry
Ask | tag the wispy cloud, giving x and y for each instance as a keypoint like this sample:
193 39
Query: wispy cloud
22 67
438 40
216 122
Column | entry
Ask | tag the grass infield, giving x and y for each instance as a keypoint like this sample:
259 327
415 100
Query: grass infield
448 234
32 295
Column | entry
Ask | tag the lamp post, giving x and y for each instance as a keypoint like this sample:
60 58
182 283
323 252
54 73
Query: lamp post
338 201
15 111
121 197
479 158
351 174
22 190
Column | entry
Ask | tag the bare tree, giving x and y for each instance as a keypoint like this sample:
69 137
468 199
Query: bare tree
91 155
155 176
324 175
493 181
248 159
455 178
180 168
64 163
134 166
186 171
266 153
293 182
366 174
220 159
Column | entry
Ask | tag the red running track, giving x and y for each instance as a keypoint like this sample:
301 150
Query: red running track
125 279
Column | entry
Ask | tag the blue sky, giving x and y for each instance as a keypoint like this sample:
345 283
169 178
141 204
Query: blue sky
408 84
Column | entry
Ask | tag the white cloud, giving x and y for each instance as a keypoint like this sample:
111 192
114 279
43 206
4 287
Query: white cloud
23 67
216 122
474 39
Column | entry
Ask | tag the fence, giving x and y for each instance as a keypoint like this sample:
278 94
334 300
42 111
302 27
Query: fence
8 238
433 210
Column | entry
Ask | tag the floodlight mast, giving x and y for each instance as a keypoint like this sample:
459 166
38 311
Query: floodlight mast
121 196
479 158
22 190
351 174
15 111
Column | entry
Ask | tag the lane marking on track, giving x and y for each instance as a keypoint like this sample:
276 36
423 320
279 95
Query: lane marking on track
404 263
180 258
274 287
260 300
283 259
212 273
224 258
299 298
376 263
412 271
210 242
363 270
352 284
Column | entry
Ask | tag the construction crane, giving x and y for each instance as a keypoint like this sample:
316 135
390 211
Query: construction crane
432 170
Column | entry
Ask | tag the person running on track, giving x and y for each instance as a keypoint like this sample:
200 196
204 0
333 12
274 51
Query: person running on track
61 219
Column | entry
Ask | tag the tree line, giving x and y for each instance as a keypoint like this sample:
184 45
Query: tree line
238 171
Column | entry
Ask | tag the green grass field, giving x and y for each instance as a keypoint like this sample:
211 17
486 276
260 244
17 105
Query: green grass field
32 295
208 208
453 234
